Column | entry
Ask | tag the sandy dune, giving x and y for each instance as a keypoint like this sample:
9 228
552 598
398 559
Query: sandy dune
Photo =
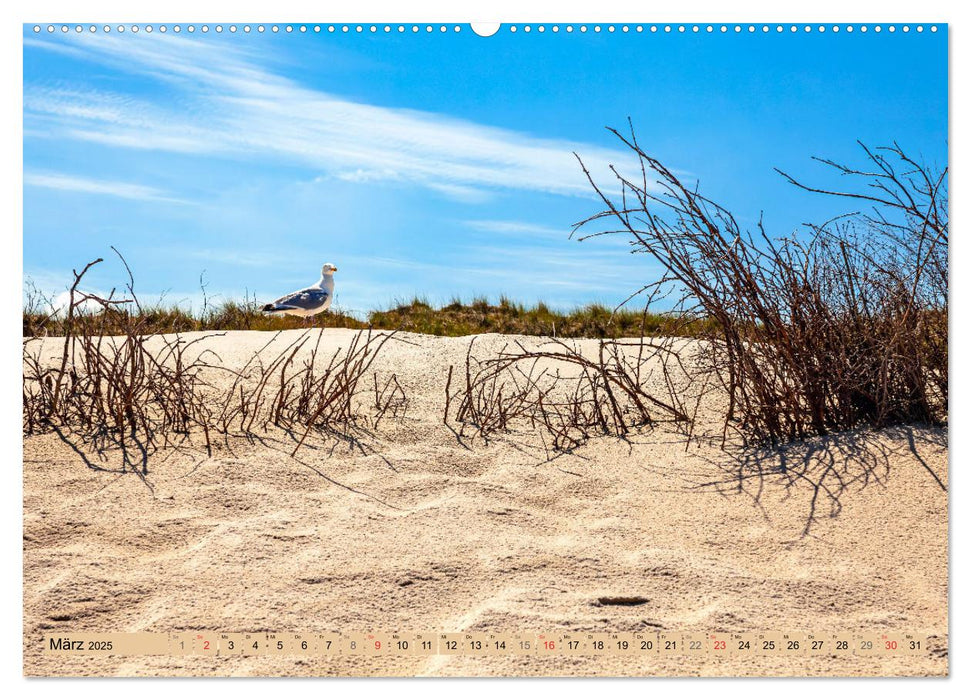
411 530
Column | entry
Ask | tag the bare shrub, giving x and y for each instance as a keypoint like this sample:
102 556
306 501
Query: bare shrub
843 327
136 390
568 396
389 399
309 391
114 389
322 396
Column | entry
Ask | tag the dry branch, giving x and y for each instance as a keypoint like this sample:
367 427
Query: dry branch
844 326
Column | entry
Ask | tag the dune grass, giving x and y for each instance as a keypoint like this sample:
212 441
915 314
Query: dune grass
456 318
509 317
229 316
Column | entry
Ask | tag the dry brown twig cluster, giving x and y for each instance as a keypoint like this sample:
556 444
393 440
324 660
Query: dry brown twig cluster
114 388
843 327
147 390
567 395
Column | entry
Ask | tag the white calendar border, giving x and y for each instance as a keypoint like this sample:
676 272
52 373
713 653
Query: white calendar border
602 11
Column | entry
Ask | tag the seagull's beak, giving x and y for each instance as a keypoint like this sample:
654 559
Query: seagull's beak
334 270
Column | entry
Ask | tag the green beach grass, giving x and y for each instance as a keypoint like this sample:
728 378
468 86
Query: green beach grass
456 318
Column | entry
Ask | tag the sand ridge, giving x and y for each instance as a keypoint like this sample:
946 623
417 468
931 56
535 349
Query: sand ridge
409 529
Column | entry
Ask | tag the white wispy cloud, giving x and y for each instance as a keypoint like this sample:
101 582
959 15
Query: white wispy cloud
72 183
524 229
362 175
533 268
232 257
527 232
230 104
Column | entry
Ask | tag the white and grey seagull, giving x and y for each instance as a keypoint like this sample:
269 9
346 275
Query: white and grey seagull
309 301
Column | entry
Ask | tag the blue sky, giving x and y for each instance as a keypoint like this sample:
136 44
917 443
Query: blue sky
431 164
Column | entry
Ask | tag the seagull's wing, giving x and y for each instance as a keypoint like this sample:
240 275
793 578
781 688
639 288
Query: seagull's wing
305 300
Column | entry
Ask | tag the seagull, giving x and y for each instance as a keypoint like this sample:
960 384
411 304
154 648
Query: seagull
309 301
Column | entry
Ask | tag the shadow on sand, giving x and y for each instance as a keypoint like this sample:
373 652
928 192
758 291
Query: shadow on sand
827 467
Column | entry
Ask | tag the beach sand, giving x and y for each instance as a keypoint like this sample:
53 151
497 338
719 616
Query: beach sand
411 530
